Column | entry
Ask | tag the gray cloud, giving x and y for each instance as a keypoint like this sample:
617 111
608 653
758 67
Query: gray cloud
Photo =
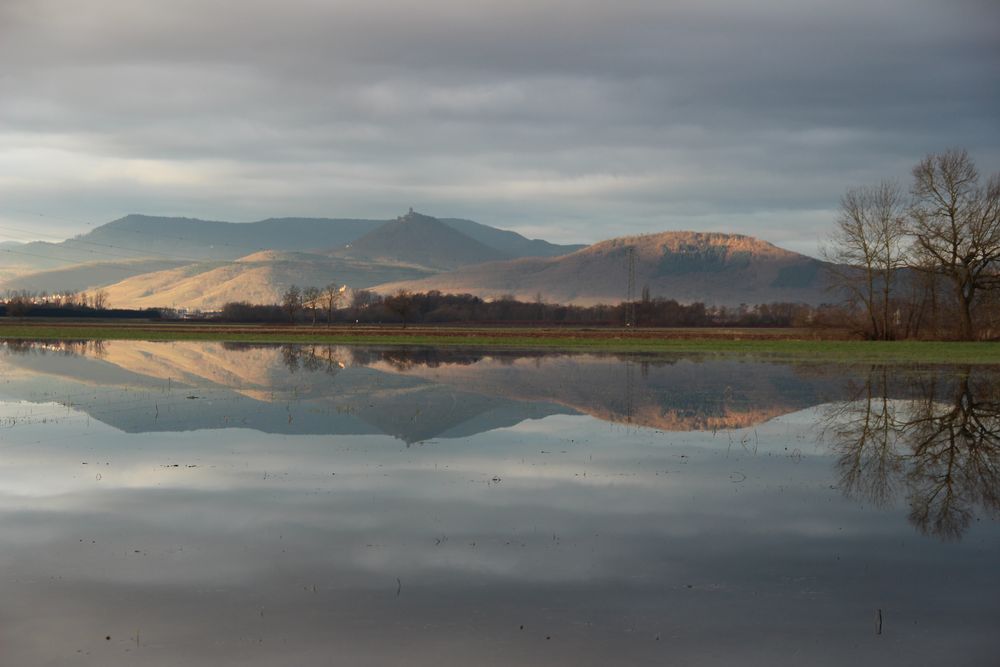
573 120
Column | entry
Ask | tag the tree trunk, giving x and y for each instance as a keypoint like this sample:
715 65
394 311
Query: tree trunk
965 315
885 308
870 303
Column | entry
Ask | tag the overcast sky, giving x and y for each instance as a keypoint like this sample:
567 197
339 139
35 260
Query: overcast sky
574 121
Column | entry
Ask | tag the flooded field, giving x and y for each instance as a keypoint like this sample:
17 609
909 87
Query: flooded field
205 503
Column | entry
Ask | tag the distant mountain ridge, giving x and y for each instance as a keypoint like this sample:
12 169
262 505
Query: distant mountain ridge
136 245
138 236
210 239
510 243
421 240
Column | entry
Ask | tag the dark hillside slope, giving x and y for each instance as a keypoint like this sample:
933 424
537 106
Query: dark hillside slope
421 240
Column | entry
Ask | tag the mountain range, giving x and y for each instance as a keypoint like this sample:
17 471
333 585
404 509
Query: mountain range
144 261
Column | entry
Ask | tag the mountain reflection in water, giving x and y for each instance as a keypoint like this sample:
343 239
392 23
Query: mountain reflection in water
384 386
205 503
931 436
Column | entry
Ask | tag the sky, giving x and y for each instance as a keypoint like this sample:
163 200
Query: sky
571 121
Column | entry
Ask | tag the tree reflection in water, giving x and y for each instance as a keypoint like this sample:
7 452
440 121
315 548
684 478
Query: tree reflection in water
938 444
312 358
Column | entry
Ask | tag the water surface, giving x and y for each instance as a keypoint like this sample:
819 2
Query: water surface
203 503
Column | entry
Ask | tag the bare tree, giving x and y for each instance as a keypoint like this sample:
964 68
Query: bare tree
18 303
100 300
956 224
401 303
310 298
868 248
291 301
333 296
363 298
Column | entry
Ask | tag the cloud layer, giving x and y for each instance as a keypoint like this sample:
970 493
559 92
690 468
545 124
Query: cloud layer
572 120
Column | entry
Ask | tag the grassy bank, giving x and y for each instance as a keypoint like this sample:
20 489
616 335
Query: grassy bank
772 343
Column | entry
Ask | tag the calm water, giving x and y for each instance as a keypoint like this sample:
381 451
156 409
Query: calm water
201 503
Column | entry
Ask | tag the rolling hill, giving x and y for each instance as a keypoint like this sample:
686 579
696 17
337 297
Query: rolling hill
258 278
720 269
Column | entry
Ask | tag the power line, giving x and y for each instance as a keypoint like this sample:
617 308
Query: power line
630 288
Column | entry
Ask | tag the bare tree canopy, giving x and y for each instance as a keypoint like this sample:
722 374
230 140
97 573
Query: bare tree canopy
291 301
310 298
332 295
956 226
868 247
401 303
896 258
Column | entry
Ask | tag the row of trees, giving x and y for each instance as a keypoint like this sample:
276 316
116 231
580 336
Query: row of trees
313 299
19 303
98 299
927 256
434 307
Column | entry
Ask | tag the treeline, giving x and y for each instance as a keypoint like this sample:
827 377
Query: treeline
366 307
96 300
335 305
76 311
920 305
23 303
923 263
